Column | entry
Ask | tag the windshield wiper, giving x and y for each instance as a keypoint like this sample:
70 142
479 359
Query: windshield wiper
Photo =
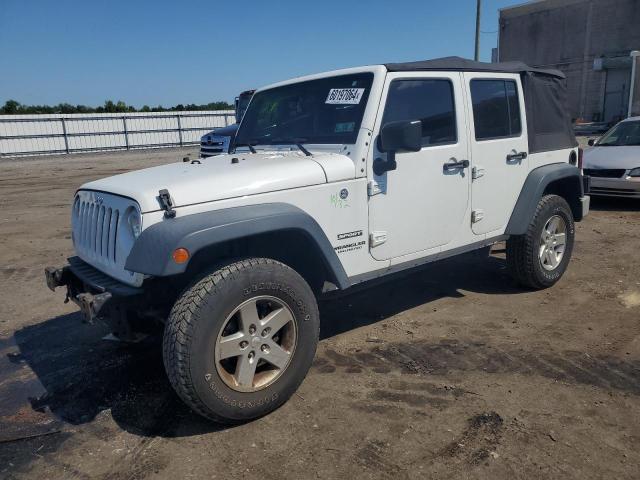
292 141
248 144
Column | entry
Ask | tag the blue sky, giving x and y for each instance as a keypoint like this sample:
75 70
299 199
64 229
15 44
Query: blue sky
170 52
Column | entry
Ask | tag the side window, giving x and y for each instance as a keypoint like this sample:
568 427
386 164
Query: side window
496 110
430 101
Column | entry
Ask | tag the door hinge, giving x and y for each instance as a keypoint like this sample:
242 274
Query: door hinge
477 172
477 215
377 238
373 188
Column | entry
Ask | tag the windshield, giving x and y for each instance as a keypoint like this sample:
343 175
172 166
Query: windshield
622 135
324 111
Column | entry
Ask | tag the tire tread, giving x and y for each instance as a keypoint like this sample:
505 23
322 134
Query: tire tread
181 323
521 256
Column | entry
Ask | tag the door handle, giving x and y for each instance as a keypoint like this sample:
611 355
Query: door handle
455 165
516 156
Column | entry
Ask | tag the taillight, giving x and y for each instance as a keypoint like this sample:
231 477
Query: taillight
580 151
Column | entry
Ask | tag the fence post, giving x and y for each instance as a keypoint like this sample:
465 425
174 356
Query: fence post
64 132
126 132
226 119
179 129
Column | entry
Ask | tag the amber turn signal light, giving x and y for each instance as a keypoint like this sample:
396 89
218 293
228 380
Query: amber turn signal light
180 255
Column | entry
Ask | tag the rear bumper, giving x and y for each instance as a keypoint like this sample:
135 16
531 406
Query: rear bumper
97 294
615 187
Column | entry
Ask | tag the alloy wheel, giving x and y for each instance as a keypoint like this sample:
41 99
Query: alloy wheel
255 344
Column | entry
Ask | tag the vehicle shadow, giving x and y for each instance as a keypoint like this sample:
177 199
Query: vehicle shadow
615 204
84 375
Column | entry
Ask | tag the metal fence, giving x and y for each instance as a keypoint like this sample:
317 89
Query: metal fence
51 134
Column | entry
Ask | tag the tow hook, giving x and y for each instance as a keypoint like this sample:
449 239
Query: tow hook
56 277
90 305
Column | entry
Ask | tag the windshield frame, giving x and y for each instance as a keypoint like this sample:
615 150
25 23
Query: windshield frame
248 132
242 105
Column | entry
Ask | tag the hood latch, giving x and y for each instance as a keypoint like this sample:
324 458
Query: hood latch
166 203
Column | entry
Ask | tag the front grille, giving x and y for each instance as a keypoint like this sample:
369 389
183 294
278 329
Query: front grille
102 236
96 229
604 172
214 145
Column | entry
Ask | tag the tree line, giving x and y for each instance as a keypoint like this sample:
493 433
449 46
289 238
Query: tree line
12 107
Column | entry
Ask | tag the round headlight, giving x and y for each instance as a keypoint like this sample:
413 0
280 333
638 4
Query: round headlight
135 223
634 172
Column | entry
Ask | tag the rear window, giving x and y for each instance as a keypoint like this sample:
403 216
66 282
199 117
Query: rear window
496 109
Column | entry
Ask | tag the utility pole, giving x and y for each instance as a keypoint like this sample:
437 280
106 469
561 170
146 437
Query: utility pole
634 55
476 57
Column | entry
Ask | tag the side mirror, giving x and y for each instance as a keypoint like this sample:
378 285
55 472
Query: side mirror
591 142
403 136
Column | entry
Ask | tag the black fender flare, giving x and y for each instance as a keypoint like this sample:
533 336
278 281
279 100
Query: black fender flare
534 187
152 252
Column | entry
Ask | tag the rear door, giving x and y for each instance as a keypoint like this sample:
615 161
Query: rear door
422 204
499 148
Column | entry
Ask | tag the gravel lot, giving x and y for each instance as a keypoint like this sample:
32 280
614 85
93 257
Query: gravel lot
449 372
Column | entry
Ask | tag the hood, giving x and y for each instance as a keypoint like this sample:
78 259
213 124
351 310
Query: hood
228 131
217 178
612 157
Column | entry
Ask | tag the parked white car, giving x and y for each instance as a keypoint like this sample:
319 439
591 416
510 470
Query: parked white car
613 162
336 179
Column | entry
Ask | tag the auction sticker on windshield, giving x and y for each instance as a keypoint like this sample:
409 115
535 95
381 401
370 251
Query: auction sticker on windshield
351 96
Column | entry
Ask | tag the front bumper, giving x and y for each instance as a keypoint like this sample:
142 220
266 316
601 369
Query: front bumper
615 187
97 294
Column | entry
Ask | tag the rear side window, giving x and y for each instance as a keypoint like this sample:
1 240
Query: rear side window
430 101
496 109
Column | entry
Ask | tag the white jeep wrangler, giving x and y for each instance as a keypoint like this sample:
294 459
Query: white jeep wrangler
336 179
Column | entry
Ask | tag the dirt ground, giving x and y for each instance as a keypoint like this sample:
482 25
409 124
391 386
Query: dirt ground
449 372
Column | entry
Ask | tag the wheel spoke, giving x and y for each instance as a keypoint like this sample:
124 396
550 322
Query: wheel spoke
553 225
245 371
248 316
543 252
229 346
551 256
276 320
277 356
560 238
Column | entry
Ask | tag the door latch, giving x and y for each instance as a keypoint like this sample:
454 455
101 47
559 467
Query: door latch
477 172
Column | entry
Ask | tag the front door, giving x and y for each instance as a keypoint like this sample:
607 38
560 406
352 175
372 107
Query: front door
499 148
422 204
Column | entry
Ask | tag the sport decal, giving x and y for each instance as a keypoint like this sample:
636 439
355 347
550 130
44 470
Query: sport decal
344 236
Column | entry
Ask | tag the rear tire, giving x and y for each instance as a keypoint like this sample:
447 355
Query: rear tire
222 355
539 258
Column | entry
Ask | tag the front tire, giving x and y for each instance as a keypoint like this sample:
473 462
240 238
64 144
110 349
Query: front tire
539 258
239 342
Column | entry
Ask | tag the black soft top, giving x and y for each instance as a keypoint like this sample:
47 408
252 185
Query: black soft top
545 97
466 65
